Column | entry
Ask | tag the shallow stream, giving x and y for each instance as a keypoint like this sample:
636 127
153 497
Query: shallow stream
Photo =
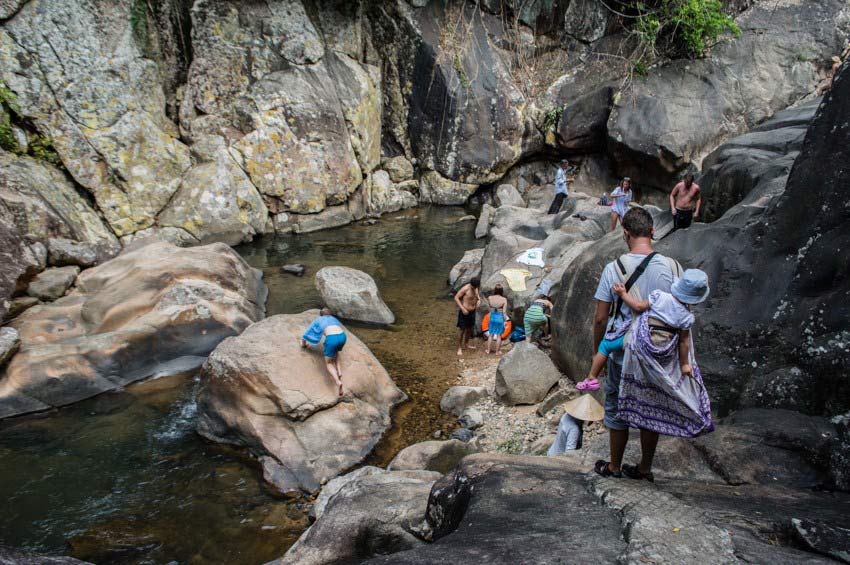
123 478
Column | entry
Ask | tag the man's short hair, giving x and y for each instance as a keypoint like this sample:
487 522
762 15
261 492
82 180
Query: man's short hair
499 289
325 311
475 282
638 222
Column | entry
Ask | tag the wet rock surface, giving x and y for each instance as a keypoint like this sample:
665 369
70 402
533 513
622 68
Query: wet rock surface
263 391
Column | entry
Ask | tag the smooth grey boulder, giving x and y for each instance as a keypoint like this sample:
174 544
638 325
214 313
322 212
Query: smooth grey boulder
53 283
10 340
434 455
296 269
468 267
507 195
525 375
19 305
384 196
62 252
372 513
353 295
459 398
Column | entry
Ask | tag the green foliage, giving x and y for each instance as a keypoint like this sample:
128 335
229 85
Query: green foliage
464 80
512 446
8 104
678 27
139 25
551 119
41 148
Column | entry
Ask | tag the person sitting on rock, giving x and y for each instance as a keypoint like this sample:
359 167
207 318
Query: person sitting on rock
328 327
620 198
570 426
685 201
561 182
498 314
535 318
467 300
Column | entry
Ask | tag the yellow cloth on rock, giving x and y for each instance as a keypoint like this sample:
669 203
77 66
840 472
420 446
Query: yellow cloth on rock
516 278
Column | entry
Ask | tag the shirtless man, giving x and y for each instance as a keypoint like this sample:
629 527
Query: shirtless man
467 300
682 200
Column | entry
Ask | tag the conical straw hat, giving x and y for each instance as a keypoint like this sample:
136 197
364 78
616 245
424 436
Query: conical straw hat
586 408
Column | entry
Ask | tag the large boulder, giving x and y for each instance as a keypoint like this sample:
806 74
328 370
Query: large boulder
655 131
374 512
525 375
507 195
263 391
488 509
440 456
63 252
384 196
353 295
154 310
437 189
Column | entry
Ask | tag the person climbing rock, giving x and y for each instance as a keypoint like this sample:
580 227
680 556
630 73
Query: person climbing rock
620 198
498 314
561 182
328 327
685 201
467 300
535 318
571 425
646 270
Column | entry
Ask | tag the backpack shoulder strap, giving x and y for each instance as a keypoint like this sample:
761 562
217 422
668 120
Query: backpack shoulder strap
629 282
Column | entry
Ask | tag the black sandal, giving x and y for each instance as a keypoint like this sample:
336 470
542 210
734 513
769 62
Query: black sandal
632 472
601 467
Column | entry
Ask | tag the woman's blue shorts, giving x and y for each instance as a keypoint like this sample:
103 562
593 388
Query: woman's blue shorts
608 346
497 324
334 344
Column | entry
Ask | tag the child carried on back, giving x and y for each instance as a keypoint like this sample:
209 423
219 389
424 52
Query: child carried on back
669 313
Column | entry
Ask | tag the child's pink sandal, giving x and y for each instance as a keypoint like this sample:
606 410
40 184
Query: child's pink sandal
588 384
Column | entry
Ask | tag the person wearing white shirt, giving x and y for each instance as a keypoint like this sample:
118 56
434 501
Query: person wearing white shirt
621 196
561 182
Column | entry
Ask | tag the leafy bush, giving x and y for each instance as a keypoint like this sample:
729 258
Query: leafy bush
551 119
688 26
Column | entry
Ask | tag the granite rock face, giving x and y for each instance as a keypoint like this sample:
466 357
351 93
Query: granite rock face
261 390
153 310
525 375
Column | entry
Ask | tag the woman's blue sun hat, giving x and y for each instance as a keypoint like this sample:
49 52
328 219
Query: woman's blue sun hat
691 288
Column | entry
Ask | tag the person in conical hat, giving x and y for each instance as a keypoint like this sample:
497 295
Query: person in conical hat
585 408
